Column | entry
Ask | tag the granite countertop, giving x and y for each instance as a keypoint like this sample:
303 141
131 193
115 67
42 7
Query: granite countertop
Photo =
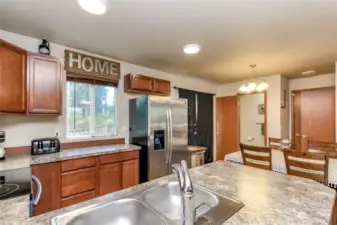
77 153
269 197
195 148
22 161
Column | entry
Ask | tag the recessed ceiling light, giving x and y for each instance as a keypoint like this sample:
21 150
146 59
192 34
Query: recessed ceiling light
191 49
97 7
310 72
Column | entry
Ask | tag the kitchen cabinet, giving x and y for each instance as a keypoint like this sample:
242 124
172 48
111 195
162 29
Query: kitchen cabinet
50 178
161 86
78 181
110 178
44 85
73 181
13 69
130 175
140 84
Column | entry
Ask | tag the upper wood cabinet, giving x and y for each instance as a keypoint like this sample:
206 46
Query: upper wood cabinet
134 83
13 69
161 86
44 85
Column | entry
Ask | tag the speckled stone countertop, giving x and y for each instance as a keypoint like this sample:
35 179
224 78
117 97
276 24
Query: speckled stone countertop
21 161
270 198
194 148
77 153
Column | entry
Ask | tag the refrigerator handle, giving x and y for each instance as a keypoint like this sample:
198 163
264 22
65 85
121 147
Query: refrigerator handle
167 137
170 136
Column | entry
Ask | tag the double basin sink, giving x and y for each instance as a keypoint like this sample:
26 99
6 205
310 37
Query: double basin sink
159 204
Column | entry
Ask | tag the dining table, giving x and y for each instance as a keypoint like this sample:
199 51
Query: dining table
279 165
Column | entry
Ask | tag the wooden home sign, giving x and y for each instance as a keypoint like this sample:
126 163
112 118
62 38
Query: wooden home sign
90 67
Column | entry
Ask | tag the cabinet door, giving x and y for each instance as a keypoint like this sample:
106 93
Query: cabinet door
130 174
13 68
141 83
50 178
45 85
110 178
161 86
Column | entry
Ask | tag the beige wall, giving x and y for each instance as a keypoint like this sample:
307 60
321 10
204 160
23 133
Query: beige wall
319 81
250 119
273 102
21 129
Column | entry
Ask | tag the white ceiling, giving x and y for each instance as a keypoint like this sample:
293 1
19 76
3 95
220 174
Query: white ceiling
280 36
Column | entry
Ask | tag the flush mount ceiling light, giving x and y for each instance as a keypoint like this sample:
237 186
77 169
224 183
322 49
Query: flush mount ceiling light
191 49
253 86
97 7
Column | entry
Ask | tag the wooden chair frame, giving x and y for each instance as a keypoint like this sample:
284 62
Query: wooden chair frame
307 165
324 147
281 142
261 158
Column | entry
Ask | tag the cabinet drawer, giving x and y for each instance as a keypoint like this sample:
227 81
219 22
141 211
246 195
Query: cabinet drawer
161 86
75 164
118 157
78 198
141 83
78 181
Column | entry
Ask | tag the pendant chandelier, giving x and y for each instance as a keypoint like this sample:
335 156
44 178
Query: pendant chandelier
252 85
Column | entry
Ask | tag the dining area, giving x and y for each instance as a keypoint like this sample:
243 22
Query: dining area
318 162
298 139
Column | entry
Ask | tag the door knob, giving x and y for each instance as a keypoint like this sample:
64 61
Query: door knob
304 136
298 135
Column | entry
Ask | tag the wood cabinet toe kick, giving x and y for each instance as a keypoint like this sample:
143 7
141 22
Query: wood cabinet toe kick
73 181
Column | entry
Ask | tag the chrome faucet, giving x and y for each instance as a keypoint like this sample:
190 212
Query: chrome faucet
186 191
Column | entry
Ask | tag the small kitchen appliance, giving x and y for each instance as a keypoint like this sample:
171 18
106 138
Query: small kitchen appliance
2 150
45 146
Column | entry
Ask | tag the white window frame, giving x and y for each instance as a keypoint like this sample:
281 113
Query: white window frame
92 114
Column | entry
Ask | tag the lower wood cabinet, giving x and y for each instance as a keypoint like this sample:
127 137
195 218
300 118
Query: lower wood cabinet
78 181
50 178
74 181
110 178
78 198
130 173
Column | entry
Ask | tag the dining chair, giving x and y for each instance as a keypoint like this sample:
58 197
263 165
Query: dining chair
307 165
256 156
323 147
279 143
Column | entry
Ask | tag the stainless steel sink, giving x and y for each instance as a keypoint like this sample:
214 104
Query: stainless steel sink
120 212
167 201
159 204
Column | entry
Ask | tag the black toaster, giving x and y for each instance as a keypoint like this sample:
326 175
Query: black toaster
45 146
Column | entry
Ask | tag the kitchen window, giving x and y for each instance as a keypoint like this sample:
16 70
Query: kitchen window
91 110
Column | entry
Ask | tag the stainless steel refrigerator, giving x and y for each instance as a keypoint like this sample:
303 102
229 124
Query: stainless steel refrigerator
159 125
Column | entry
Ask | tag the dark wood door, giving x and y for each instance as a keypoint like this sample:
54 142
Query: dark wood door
297 137
130 174
317 117
110 178
50 178
13 70
44 85
227 126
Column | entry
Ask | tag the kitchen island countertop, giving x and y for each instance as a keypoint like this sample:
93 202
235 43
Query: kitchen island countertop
269 197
